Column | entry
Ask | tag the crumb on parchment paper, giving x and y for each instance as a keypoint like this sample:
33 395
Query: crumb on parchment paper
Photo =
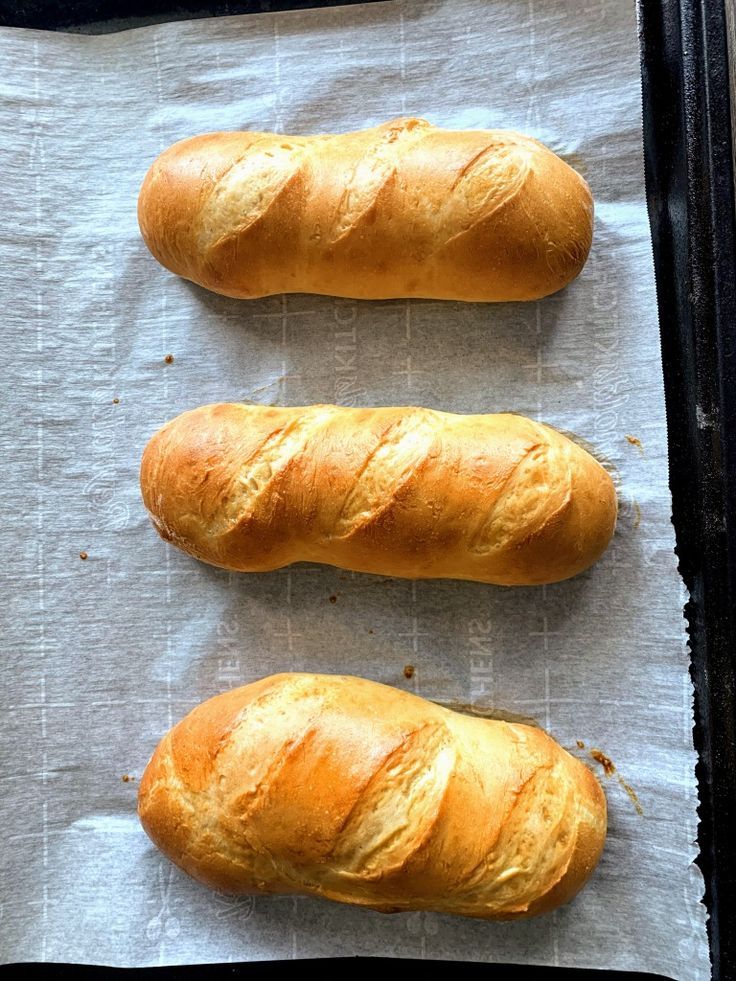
600 757
609 769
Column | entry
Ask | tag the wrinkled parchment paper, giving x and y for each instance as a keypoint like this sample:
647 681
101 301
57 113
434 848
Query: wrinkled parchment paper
103 654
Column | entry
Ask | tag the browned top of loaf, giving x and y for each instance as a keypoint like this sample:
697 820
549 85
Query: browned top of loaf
403 209
395 491
362 793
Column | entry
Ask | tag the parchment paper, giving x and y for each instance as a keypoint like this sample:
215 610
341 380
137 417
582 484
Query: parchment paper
103 654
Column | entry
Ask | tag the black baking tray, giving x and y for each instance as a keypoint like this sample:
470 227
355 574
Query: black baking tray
690 189
688 153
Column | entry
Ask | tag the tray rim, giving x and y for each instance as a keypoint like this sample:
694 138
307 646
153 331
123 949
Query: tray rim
690 195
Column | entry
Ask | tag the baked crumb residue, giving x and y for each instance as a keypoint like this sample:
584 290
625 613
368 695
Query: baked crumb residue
609 769
580 744
632 795
127 778
83 556
169 359
635 441
333 598
600 757
409 671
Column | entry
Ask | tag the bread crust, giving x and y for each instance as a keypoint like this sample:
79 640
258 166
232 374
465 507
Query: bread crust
405 209
406 492
353 791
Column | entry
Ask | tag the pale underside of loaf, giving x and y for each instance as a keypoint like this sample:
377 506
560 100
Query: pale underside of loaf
403 209
408 492
349 790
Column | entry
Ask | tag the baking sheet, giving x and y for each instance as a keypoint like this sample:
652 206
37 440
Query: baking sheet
103 653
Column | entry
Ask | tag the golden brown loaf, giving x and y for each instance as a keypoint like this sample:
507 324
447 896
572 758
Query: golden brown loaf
353 791
399 492
405 209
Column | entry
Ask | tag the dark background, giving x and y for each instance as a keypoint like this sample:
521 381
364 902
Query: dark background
97 16
690 192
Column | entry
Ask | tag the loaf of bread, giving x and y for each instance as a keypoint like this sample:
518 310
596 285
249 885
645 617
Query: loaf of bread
399 492
402 210
354 791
